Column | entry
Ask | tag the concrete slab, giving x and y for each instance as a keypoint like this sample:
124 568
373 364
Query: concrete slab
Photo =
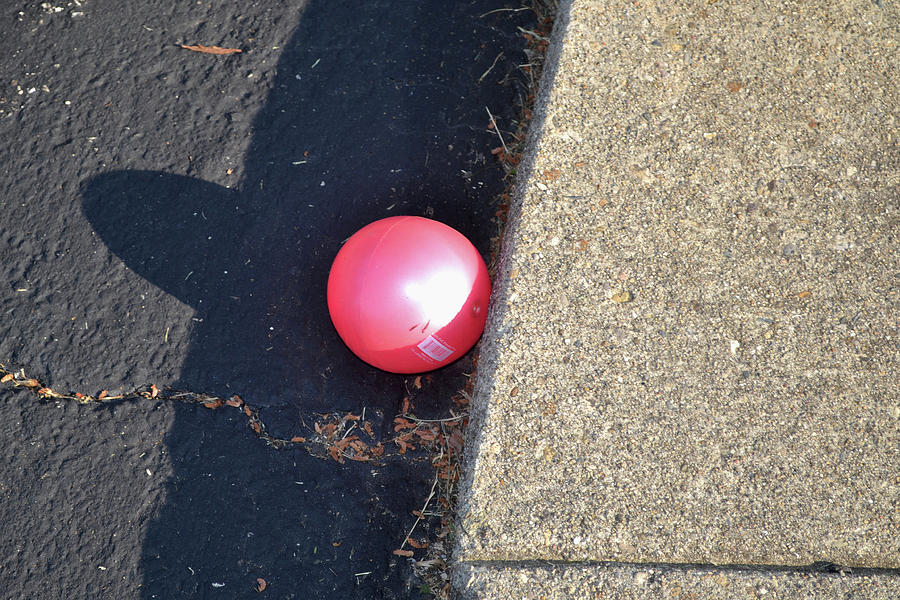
632 582
692 355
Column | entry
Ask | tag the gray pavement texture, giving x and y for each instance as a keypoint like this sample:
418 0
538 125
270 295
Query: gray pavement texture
692 353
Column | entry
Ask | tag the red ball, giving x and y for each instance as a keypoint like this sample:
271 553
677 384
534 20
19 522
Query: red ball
408 294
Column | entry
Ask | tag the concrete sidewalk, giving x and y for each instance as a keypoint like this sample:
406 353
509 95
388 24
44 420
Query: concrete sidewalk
689 382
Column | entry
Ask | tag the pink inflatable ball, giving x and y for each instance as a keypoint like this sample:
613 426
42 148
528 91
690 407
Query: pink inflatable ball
408 294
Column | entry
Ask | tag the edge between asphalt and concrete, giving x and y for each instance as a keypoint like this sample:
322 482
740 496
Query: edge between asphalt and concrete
688 383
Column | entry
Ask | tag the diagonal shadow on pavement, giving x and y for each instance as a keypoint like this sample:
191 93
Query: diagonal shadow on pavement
384 124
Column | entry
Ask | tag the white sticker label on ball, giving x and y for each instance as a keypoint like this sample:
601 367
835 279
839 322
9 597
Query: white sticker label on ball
435 349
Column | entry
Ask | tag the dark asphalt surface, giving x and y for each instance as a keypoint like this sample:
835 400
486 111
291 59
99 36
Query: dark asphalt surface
169 217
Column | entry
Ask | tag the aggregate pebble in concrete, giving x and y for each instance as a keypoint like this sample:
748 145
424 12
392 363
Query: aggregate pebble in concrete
692 355
629 582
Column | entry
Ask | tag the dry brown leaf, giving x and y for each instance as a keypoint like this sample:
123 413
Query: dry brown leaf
234 401
416 544
426 434
102 395
399 552
456 441
211 49
298 440
247 411
377 450
260 584
417 382
336 454
7 377
804 294
336 544
212 404
402 423
256 426
368 429
154 391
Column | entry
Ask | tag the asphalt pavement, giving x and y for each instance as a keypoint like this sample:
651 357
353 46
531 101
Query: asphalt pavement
169 218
